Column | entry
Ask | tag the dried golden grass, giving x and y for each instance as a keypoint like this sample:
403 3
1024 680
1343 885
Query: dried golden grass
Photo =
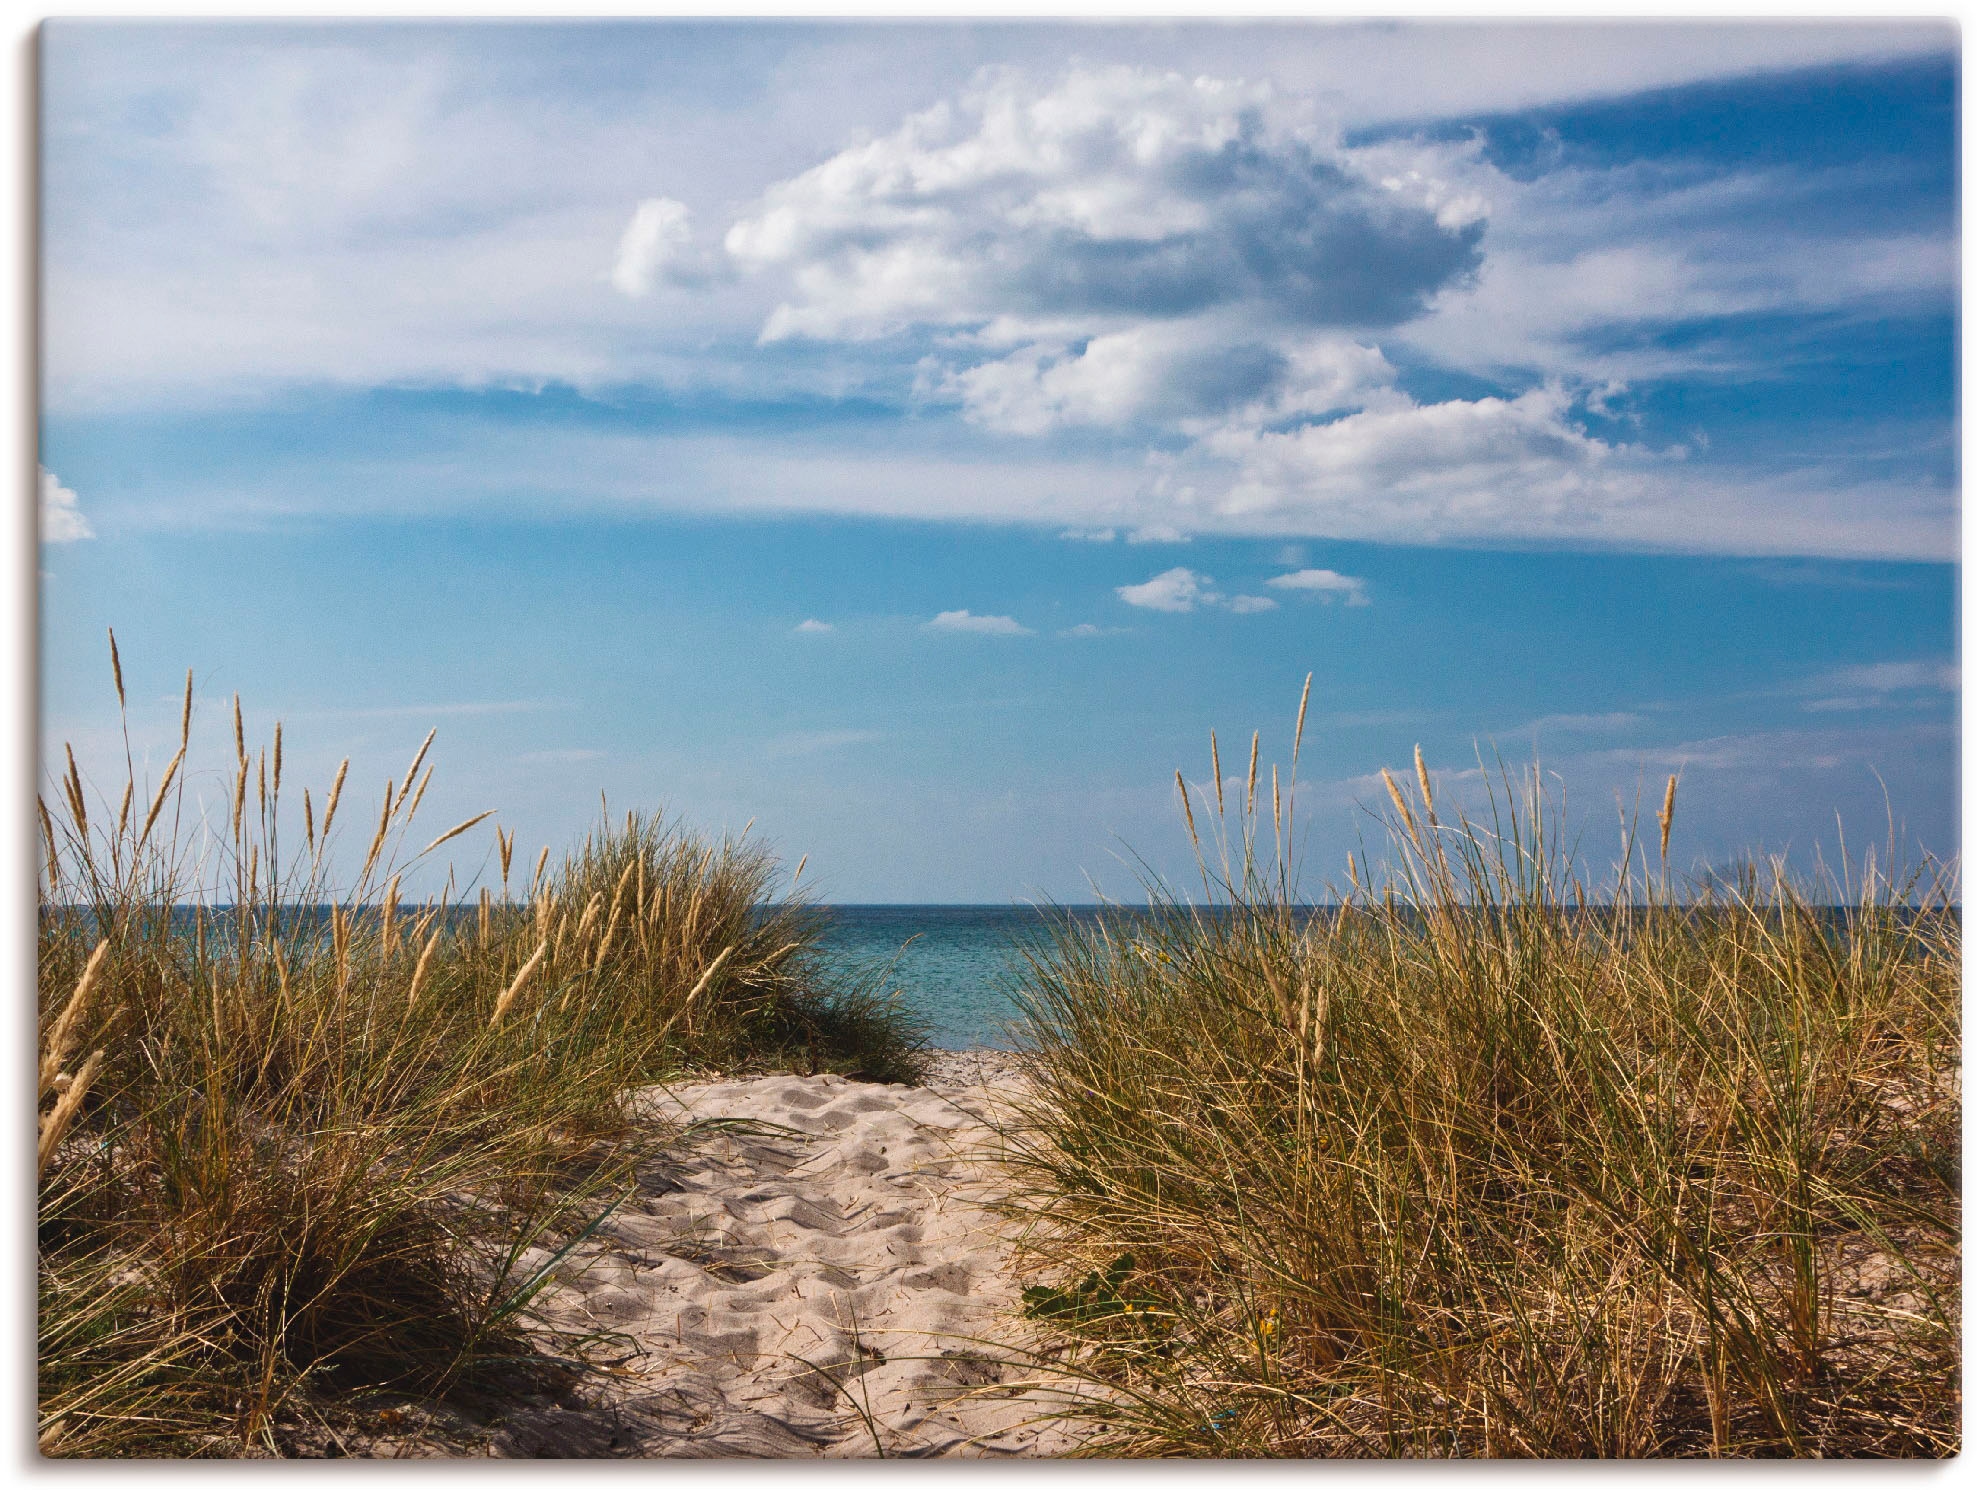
1464 1167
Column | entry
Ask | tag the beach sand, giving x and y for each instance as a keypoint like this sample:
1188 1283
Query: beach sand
814 1272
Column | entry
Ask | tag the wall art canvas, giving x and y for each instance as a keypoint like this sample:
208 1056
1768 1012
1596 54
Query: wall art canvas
1000 740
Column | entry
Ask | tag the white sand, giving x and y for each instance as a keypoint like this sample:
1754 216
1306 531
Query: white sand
826 1282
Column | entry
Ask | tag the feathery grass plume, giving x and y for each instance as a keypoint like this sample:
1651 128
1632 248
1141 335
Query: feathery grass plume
485 923
1297 748
1277 810
541 864
412 771
509 994
56 1124
1187 809
1667 817
1400 805
387 915
335 794
239 733
505 845
158 799
1427 787
277 758
72 786
1215 761
48 840
455 832
708 976
418 796
123 809
378 837
799 870
60 1038
1255 744
185 713
419 971
117 669
239 797
308 820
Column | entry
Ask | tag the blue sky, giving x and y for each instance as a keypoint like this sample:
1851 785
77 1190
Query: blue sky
917 438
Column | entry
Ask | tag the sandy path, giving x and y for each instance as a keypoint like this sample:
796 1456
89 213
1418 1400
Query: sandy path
823 1280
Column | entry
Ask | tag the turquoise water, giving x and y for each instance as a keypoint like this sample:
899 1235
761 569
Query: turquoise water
955 965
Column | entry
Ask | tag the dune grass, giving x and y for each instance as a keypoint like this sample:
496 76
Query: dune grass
295 1136
1474 1167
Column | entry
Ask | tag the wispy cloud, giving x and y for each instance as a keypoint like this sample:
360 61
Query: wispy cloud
1882 685
813 627
961 620
1895 677
1580 724
436 711
61 513
810 742
1087 629
1327 584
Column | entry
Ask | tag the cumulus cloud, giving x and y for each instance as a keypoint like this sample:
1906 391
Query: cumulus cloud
1176 590
961 620
813 627
1181 589
1463 467
1327 584
61 513
1118 245
1086 628
1113 191
656 241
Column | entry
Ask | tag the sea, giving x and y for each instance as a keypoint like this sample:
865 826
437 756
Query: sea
955 966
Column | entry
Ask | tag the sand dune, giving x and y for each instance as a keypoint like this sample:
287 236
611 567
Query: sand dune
814 1274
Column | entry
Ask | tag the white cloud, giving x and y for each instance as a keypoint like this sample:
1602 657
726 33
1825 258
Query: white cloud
1176 590
1089 535
1461 468
1581 723
1894 677
811 742
1087 629
813 627
1181 251
1326 584
1118 245
1180 590
655 240
961 620
61 515
1883 685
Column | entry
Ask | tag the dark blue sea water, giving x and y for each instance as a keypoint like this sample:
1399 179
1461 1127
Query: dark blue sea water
955 965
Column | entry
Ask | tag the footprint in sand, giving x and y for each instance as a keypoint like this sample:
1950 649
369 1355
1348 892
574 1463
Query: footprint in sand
839 1290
